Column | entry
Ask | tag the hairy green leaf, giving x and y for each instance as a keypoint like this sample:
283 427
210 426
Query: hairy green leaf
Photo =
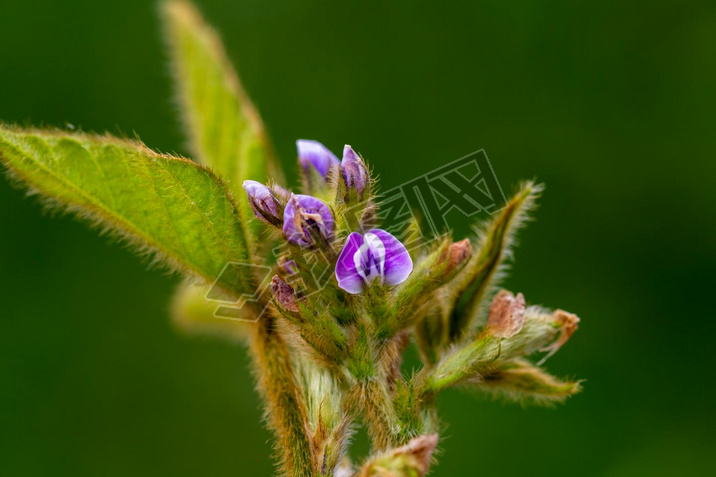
462 364
543 330
170 206
471 287
225 131
521 381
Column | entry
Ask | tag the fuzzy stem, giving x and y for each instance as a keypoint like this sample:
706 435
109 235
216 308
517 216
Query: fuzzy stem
285 410
369 392
372 399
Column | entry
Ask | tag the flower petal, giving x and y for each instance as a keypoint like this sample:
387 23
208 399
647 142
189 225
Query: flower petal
373 259
313 153
398 264
346 272
302 212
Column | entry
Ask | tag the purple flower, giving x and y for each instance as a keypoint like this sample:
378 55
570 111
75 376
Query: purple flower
354 172
290 267
263 202
375 255
316 155
306 218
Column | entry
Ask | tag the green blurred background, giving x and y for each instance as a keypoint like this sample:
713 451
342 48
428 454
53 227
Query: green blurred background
611 104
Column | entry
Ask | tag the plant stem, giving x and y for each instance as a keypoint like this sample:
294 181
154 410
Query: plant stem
285 410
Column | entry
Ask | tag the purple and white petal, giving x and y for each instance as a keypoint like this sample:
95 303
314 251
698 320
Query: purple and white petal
372 259
375 256
349 279
397 263
316 155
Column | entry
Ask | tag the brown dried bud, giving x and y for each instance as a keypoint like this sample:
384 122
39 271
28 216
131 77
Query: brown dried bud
507 314
284 294
454 257
421 448
568 324
460 253
411 459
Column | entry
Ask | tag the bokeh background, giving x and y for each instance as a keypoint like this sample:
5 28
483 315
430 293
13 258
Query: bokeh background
612 104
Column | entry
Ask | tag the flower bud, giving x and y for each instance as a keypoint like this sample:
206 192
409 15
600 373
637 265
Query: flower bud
507 314
284 294
543 330
567 323
263 202
457 256
354 172
281 193
288 266
313 154
307 221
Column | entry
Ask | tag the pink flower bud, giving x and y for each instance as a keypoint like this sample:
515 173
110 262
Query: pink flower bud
507 314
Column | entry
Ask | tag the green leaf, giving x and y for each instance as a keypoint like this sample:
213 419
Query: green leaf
462 364
472 360
521 381
224 129
470 288
163 204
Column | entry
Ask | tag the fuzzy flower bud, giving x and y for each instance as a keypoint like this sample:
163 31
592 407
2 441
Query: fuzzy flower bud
307 221
507 314
354 172
567 324
281 193
263 202
457 255
313 154
543 330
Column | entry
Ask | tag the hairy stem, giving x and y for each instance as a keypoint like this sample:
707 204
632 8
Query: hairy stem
285 410
372 400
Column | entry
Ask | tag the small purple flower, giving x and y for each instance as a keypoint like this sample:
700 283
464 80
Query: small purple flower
263 202
305 218
290 267
354 172
316 155
375 255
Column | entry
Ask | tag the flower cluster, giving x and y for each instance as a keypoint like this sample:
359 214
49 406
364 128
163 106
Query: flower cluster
356 326
347 297
308 222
